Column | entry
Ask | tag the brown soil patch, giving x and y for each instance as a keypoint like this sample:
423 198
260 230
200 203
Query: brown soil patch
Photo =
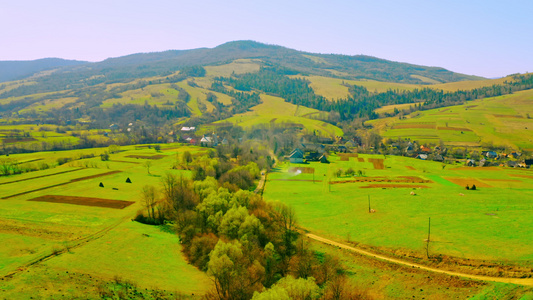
60 184
466 181
509 116
384 186
305 170
446 109
399 179
471 106
410 168
504 180
159 156
377 162
85 201
454 128
345 158
360 159
521 176
413 125
273 120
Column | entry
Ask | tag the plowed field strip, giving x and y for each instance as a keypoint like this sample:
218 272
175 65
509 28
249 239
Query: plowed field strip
85 201
64 183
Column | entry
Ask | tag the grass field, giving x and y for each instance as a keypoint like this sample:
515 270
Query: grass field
499 120
276 110
102 241
334 88
494 217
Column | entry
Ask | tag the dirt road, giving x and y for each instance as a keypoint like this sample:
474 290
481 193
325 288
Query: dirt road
521 281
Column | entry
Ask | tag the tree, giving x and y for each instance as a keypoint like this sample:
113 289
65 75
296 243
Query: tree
6 166
297 289
148 164
149 200
234 275
187 157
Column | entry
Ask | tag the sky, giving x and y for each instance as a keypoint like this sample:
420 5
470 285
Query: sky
485 38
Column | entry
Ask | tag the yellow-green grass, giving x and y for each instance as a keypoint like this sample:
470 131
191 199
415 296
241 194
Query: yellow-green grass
47 134
425 79
469 84
46 105
36 229
166 94
276 110
333 88
239 66
10 85
499 120
390 108
143 254
385 281
495 217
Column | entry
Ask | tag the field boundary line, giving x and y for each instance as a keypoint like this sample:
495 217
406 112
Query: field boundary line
520 281
41 176
63 183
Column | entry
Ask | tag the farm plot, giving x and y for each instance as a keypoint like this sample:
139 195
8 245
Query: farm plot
64 215
495 216
86 201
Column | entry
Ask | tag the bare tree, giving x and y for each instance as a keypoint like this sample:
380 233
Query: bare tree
148 165
149 198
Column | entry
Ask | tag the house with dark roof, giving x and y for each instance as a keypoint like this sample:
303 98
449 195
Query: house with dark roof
296 156
491 154
323 159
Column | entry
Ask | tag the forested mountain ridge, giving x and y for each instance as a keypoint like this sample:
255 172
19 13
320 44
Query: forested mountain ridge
14 70
165 63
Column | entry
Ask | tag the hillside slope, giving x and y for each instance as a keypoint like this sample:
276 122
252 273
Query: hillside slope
145 65
13 70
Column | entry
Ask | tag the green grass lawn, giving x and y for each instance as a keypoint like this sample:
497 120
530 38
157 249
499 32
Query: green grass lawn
494 217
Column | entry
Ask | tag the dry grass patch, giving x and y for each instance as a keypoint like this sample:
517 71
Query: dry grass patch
305 170
377 162
385 186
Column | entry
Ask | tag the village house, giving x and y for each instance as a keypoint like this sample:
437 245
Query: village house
296 156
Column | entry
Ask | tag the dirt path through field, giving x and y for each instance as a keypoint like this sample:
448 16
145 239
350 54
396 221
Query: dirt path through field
521 281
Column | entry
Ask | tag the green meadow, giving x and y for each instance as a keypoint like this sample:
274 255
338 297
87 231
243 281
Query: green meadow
101 242
496 215
276 110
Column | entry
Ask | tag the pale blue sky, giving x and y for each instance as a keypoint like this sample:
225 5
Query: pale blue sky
486 38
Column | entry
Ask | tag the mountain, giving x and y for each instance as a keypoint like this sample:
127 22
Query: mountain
167 62
13 70
332 65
